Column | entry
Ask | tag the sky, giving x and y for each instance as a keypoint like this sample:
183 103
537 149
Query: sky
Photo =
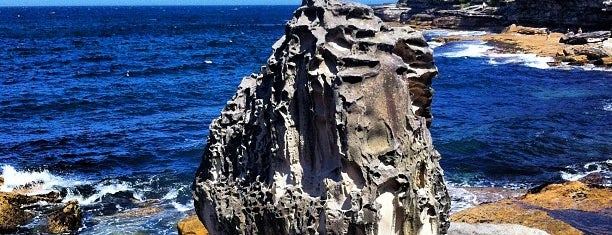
159 2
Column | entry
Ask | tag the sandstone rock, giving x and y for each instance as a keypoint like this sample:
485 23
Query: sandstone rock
576 59
584 38
191 226
567 208
331 137
65 220
510 212
492 229
591 51
1 181
571 196
140 212
11 214
524 30
391 12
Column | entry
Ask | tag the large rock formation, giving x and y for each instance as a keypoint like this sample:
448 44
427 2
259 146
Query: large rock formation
331 137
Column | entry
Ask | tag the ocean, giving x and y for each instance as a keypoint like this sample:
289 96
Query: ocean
111 106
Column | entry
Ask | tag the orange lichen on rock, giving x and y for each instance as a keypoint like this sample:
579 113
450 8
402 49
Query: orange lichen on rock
191 226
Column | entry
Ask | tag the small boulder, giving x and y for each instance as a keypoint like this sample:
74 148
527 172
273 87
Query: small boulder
66 220
191 226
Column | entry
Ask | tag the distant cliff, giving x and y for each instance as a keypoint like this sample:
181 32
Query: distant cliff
591 14
588 14
331 137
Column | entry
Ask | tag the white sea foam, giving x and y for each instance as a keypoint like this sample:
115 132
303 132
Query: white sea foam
43 181
434 44
172 194
469 49
208 62
608 106
479 49
603 167
591 67
461 199
434 33
530 60
182 208
101 191
466 33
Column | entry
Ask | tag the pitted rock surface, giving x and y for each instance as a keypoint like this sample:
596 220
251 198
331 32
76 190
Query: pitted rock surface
331 137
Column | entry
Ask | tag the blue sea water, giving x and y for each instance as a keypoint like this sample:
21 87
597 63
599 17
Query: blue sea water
111 106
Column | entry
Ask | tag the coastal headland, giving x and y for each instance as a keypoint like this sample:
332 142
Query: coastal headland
570 32
537 41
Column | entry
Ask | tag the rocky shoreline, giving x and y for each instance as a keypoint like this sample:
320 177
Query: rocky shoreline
18 208
534 20
518 39
564 208
572 207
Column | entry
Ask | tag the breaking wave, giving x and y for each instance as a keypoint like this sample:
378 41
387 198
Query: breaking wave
480 49
37 182
576 172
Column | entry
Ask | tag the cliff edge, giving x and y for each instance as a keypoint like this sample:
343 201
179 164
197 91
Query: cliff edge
331 137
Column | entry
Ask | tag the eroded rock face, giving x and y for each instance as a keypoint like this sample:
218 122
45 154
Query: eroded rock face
331 137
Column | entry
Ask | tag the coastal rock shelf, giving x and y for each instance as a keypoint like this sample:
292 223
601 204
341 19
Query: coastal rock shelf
331 137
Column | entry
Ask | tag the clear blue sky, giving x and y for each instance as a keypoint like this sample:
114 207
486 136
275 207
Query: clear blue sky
160 2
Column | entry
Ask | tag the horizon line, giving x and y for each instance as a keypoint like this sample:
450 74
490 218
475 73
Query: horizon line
147 5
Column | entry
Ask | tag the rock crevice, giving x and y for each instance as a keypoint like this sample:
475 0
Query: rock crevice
331 137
